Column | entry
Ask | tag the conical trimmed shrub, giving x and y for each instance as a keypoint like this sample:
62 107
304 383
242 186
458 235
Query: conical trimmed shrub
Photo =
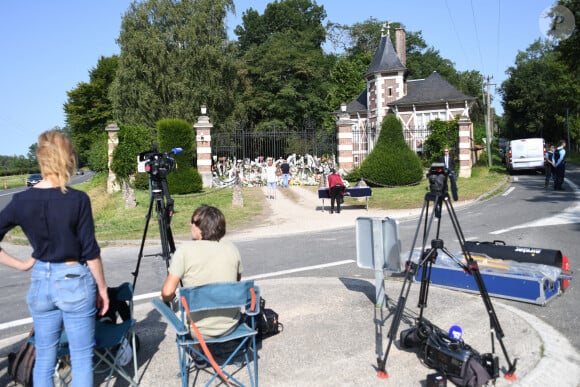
391 162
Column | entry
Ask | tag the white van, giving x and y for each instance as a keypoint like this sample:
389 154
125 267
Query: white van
527 153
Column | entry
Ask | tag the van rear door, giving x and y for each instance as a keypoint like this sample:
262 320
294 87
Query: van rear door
526 154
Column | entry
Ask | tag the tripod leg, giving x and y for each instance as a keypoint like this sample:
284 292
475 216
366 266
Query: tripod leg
405 289
425 281
473 269
163 232
147 218
382 362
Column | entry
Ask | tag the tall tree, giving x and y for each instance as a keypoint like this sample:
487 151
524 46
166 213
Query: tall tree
174 58
285 71
569 54
88 108
537 92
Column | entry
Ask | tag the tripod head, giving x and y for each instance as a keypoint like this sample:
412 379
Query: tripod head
157 165
438 177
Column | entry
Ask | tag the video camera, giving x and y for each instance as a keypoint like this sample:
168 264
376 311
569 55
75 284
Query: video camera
437 177
456 359
157 165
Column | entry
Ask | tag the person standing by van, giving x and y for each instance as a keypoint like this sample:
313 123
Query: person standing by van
550 172
559 163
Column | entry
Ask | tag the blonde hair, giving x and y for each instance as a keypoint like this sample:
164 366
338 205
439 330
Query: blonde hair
56 157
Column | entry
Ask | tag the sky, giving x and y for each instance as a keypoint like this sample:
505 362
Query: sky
49 47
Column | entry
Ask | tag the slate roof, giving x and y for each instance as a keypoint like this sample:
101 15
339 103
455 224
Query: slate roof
433 89
359 104
385 59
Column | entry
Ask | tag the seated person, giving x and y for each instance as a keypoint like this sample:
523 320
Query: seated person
205 260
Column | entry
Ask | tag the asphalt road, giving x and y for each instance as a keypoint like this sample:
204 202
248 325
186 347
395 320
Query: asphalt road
524 215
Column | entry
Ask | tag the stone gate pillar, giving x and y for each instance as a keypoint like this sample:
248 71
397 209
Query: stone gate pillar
112 141
203 142
465 146
344 140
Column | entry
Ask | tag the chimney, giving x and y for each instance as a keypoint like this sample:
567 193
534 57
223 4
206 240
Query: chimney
401 45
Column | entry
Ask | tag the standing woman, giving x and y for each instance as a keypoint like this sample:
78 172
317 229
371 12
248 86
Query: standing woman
67 277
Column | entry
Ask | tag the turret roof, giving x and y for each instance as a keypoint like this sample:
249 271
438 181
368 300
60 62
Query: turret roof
385 59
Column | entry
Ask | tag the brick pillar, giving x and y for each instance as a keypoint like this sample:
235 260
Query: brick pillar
465 146
203 141
344 140
112 142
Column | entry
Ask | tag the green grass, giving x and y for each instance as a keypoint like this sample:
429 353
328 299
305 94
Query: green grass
482 180
13 181
115 222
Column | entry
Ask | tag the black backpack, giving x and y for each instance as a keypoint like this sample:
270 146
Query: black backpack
267 322
21 363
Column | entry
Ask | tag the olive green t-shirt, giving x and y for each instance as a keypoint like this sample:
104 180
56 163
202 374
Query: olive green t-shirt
203 262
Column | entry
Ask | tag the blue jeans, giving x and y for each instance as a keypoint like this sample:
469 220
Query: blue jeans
63 294
285 177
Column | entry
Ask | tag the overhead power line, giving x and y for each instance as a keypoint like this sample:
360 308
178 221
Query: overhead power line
457 35
477 36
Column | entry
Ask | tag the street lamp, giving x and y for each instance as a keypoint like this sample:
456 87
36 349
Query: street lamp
203 110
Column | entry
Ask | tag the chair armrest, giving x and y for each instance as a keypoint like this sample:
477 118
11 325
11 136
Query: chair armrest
257 309
168 314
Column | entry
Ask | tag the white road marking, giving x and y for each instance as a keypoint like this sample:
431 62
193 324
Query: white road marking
509 191
299 269
15 323
148 296
570 215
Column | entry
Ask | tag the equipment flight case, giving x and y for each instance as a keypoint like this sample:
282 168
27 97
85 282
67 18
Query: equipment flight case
496 263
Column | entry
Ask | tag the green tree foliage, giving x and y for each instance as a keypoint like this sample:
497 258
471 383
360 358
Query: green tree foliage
31 155
97 159
346 82
569 48
174 58
284 70
178 133
537 92
568 51
17 165
88 108
132 141
391 162
444 134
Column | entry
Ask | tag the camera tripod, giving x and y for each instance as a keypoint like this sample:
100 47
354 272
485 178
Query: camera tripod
426 260
158 195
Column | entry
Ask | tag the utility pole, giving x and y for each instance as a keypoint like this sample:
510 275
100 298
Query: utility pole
488 124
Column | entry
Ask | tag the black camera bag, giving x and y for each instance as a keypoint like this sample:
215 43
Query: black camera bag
267 322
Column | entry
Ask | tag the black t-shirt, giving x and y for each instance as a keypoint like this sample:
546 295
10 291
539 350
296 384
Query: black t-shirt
285 167
59 226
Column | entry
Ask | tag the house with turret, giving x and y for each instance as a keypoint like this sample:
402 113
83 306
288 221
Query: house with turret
415 102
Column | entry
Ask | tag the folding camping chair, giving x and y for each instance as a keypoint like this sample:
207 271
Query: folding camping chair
115 343
222 353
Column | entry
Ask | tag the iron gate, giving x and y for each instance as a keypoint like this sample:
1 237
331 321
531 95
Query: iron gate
277 143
